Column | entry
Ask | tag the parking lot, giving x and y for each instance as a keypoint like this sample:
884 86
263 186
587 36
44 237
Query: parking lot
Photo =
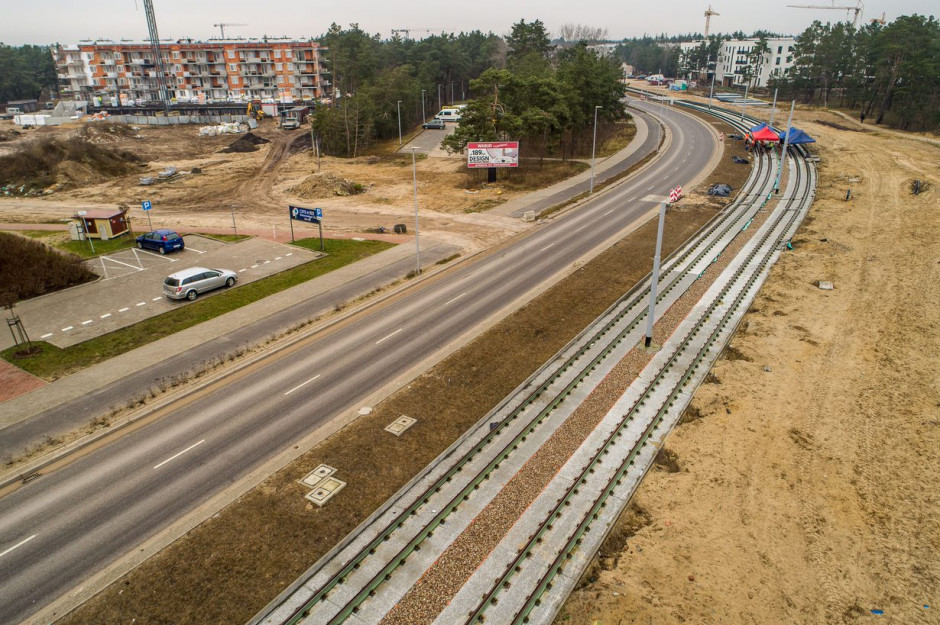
131 287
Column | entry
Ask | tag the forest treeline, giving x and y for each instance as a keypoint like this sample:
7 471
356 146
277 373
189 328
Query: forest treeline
26 73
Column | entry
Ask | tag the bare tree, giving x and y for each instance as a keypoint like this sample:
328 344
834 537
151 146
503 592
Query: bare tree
573 33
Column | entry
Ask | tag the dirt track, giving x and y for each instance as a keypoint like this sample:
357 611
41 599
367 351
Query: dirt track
802 488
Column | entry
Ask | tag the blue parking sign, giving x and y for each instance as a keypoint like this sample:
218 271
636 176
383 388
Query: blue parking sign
318 213
146 205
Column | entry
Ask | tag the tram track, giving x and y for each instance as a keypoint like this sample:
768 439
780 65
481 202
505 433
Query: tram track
352 584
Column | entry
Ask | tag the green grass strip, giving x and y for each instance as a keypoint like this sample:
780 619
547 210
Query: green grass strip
53 362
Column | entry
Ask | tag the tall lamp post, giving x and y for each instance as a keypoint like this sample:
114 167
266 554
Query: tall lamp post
424 117
414 177
399 122
593 148
439 97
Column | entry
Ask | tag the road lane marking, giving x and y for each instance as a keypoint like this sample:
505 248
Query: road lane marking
123 309
45 336
579 228
266 262
156 299
67 329
105 316
305 383
242 270
455 299
390 335
278 257
19 544
141 303
254 266
608 212
546 247
175 456
289 254
85 323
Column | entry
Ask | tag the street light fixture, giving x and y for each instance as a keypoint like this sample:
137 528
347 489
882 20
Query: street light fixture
399 122
593 148
414 177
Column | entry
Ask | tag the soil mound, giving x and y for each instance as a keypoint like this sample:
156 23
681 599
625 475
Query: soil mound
105 132
248 142
325 185
67 164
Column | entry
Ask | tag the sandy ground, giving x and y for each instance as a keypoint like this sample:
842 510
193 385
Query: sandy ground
801 487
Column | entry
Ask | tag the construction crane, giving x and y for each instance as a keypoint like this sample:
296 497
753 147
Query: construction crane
708 19
158 55
878 20
222 26
406 32
858 8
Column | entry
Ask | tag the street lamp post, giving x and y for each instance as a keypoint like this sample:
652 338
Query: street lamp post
399 122
593 148
414 177
424 117
439 97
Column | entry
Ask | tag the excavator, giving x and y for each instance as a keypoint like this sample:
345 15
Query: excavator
254 110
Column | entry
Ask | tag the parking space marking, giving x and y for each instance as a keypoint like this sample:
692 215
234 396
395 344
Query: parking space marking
389 336
45 336
303 384
85 323
19 544
105 316
174 457
192 249
141 303
121 262
67 329
124 310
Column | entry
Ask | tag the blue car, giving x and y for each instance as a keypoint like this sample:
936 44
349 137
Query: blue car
161 240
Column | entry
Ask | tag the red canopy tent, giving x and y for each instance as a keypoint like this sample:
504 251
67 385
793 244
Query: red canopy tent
765 134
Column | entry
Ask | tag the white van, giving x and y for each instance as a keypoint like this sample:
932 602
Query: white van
449 115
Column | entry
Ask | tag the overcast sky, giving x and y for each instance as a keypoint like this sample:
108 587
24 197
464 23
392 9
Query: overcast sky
67 21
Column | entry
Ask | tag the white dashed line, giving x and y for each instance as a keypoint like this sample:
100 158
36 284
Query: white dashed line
67 329
156 299
303 384
123 309
389 336
105 316
180 453
289 254
19 544
580 228
546 247
608 212
45 336
241 270
141 303
266 262
85 323
254 266
455 299
278 257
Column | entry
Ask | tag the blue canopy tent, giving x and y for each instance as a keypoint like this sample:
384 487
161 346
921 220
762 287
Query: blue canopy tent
761 126
796 137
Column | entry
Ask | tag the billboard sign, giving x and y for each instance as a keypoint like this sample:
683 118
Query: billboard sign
493 154
310 215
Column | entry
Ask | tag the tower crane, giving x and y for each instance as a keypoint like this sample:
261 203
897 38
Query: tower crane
158 60
858 8
222 26
708 19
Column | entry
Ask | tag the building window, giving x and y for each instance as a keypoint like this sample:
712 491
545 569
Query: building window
778 61
278 67
231 54
176 54
232 67
789 59
779 49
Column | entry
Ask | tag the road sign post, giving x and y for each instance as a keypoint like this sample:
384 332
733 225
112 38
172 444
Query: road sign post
146 205
309 215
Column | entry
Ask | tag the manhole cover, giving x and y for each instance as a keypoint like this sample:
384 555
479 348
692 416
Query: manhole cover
399 425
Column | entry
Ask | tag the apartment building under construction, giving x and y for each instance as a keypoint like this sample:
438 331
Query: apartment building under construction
199 72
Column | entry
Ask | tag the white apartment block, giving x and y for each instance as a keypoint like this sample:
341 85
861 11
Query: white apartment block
196 72
735 56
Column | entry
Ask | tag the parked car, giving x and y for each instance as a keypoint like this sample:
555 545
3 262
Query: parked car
161 240
434 124
189 283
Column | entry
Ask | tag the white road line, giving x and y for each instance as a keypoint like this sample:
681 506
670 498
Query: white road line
141 303
289 254
85 323
390 335
123 309
300 385
45 336
242 270
195 250
546 247
156 299
105 316
608 212
455 299
278 257
19 544
67 329
121 262
266 262
650 188
174 457
254 266
579 228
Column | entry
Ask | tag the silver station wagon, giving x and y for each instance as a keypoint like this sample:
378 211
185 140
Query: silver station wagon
189 283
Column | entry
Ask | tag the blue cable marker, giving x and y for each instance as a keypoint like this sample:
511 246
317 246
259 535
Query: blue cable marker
878 612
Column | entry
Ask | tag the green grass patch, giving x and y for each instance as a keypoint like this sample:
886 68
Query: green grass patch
53 362
83 248
227 238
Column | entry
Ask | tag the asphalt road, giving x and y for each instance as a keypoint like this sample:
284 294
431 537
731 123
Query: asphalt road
57 531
